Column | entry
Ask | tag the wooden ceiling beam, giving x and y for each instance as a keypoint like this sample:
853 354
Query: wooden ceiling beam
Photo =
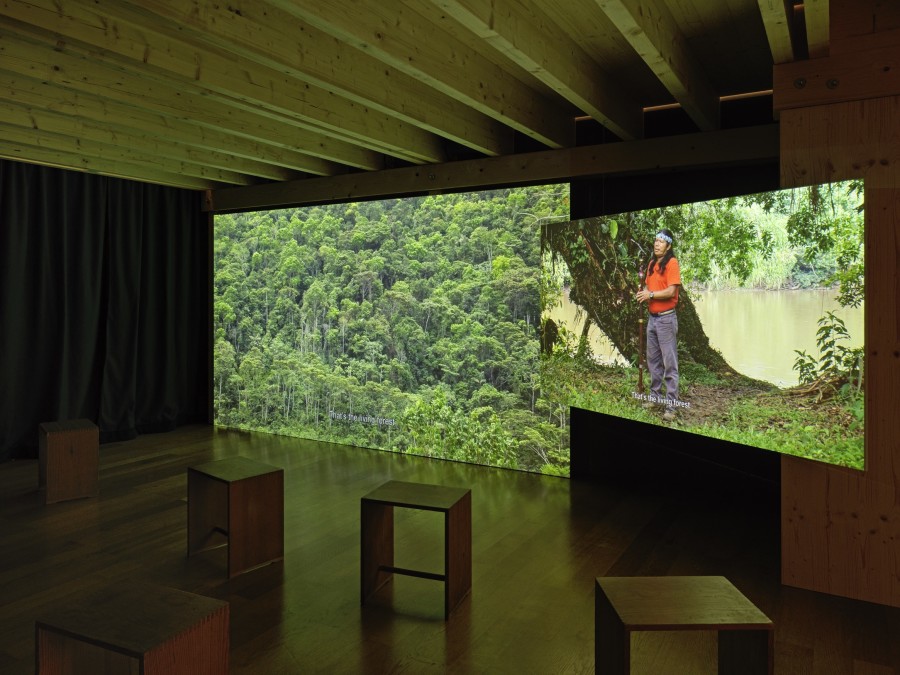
778 18
144 41
148 145
78 162
708 149
281 163
529 38
849 76
279 90
132 58
67 66
116 155
405 40
651 30
265 35
816 14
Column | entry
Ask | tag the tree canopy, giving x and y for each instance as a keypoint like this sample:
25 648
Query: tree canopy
403 324
803 237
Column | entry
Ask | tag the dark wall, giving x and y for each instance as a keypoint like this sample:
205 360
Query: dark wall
618 194
621 451
103 305
597 196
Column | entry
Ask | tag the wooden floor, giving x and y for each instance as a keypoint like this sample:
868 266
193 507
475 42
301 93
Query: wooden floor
538 544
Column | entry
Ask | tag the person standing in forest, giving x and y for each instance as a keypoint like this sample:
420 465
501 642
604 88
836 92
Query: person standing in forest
660 292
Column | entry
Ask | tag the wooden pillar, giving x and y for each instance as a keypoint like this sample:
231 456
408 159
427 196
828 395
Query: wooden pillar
840 119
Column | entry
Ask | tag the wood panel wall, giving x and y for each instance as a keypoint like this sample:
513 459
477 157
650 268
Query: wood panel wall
841 528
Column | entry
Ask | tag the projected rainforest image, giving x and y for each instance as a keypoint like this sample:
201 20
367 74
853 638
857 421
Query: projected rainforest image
769 319
409 325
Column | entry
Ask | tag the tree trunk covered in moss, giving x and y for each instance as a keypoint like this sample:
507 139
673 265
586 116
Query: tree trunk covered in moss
605 265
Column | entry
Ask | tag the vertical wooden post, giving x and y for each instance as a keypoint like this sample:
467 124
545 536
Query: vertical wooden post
841 528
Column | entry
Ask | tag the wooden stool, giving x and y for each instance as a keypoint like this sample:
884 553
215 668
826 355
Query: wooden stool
150 630
626 604
68 460
238 502
377 545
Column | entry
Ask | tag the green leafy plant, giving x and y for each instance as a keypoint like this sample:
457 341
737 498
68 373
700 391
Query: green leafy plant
806 366
837 363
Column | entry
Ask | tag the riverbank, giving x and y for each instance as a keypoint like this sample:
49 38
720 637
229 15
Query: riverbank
734 409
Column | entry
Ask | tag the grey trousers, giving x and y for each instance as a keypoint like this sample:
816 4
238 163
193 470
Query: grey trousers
662 356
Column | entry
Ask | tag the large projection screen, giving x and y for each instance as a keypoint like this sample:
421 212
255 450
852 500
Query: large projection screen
467 326
769 320
409 325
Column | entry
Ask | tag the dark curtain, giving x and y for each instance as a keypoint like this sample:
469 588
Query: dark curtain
103 305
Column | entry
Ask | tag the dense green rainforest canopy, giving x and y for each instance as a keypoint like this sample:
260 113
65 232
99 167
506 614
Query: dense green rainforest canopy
414 324
405 324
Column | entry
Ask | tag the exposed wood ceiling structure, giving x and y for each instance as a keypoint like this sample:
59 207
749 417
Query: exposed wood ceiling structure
215 95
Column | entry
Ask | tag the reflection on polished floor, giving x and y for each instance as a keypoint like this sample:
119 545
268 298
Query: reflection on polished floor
538 543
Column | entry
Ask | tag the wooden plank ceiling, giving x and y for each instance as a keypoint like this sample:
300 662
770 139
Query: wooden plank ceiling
205 94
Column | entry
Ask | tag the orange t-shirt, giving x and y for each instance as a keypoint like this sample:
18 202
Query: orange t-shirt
657 282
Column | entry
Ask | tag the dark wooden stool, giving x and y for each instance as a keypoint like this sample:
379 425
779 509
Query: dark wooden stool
238 502
150 630
68 460
377 530
627 604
